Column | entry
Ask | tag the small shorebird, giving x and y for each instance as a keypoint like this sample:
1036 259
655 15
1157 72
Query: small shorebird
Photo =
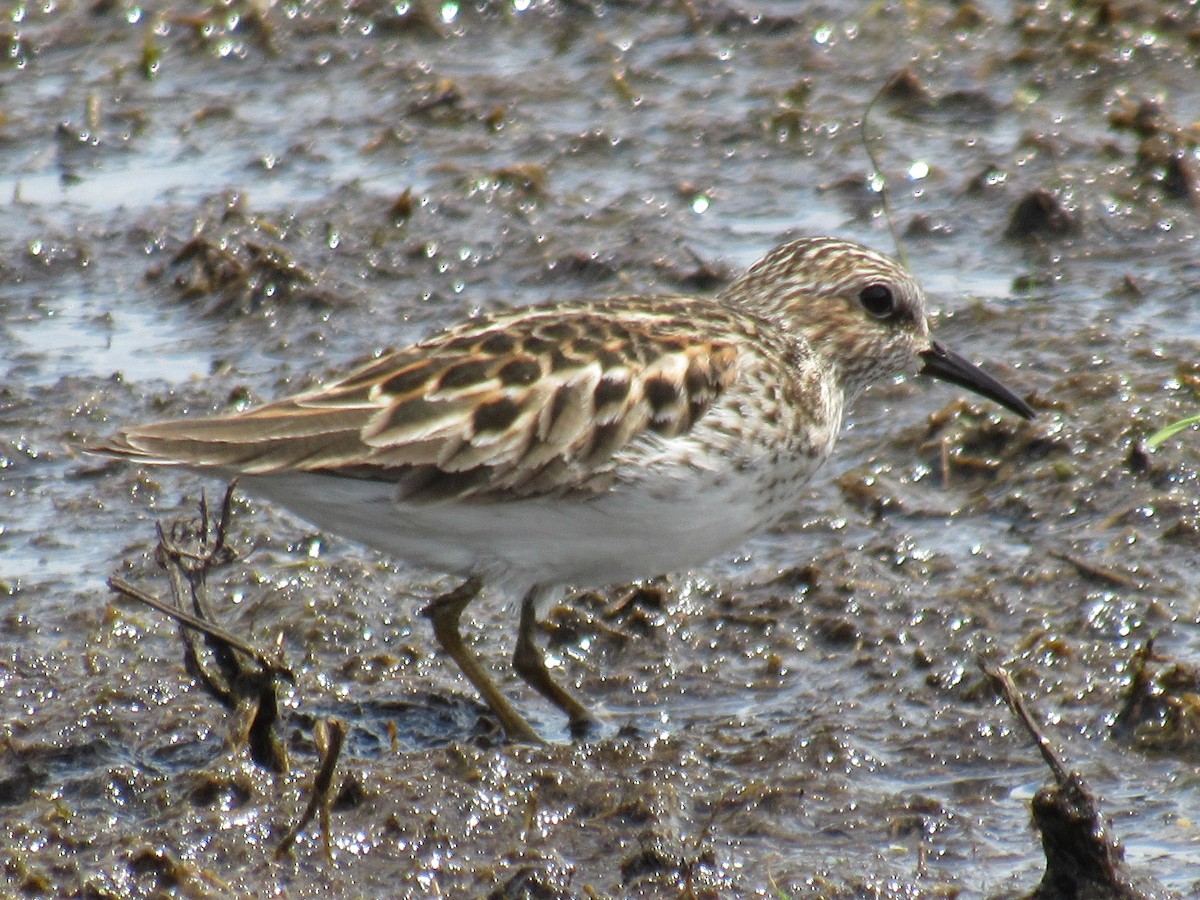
582 443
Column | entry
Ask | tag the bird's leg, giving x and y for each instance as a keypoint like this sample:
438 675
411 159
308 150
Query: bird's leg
531 666
444 612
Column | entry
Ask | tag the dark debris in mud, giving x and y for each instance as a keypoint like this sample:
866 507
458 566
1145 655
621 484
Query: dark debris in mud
240 677
236 265
1041 213
1161 710
1083 860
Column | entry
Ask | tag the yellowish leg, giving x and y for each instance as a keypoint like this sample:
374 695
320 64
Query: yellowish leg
531 666
444 612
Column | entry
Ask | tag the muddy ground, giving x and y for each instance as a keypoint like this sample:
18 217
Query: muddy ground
213 206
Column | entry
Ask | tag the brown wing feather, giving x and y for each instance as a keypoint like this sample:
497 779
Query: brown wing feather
523 404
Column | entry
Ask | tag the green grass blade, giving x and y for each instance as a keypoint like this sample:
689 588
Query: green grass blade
1170 431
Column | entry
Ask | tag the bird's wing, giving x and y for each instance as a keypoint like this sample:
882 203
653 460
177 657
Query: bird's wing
517 405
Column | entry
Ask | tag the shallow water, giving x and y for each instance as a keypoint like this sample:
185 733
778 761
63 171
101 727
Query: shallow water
805 717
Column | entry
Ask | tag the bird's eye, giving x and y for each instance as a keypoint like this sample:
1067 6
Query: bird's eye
878 300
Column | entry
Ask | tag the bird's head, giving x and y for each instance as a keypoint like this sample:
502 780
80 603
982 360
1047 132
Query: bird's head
862 311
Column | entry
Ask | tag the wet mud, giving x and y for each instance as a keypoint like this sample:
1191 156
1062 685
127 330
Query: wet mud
210 207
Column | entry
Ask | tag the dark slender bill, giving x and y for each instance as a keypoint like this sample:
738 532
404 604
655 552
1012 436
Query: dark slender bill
949 366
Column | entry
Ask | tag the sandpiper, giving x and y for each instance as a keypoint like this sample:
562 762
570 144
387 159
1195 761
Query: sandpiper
583 443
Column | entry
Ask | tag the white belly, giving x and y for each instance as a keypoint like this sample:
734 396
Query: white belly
620 535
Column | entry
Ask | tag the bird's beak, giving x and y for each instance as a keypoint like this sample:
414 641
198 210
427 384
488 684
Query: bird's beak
949 366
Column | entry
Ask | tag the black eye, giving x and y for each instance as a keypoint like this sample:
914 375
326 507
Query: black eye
877 299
